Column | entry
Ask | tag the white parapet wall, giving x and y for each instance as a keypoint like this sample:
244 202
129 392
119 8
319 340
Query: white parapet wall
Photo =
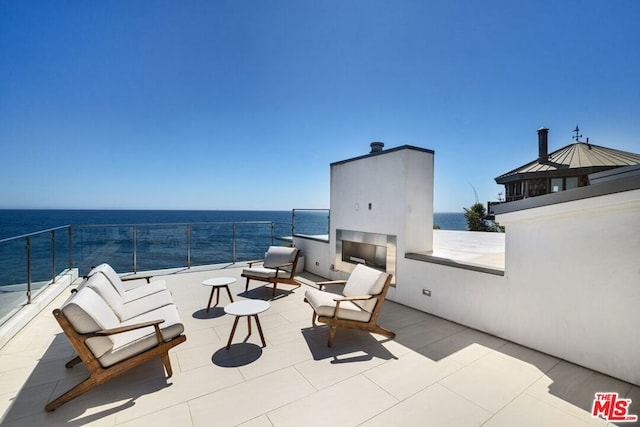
573 277
571 284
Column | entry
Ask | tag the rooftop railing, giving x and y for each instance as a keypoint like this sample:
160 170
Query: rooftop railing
31 262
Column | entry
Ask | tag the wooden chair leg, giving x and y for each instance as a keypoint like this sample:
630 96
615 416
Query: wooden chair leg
246 286
332 333
73 362
383 331
167 364
72 393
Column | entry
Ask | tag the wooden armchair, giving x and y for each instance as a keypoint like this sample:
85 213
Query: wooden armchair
359 305
278 266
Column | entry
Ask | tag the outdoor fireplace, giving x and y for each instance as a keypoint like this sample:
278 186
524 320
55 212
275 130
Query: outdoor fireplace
372 249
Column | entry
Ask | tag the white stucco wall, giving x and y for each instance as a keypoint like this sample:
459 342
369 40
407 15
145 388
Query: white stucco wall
316 255
571 286
573 271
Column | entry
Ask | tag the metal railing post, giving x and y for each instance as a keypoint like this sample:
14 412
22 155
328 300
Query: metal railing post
53 256
70 248
188 245
293 222
233 243
272 232
28 248
135 249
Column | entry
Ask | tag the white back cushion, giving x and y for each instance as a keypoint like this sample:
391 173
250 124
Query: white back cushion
365 281
88 312
110 274
279 255
103 287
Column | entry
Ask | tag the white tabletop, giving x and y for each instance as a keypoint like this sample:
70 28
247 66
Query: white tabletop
247 307
219 281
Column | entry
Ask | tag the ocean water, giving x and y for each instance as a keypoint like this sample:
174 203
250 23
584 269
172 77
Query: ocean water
162 238
450 221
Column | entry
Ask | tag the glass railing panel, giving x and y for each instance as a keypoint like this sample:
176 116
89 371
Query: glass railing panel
160 246
211 243
253 240
13 277
28 264
13 262
41 261
93 245
311 222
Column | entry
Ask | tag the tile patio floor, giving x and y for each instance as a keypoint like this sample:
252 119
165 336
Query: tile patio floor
434 373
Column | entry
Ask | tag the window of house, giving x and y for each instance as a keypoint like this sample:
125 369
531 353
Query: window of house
561 184
571 182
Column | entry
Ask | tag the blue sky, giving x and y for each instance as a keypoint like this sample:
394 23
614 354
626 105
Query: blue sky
244 104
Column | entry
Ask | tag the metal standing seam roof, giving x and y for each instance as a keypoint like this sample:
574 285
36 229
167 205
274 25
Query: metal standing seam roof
575 156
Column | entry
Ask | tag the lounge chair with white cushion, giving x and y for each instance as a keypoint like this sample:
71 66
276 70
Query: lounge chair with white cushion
357 307
278 266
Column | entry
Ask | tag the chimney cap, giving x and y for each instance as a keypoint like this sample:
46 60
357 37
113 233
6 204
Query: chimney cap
377 146
543 128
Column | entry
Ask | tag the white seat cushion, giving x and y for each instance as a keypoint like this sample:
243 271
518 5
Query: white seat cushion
324 305
145 290
130 343
265 273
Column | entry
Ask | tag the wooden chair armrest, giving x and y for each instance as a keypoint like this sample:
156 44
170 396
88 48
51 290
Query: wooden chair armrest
289 264
121 329
147 278
255 261
354 298
331 282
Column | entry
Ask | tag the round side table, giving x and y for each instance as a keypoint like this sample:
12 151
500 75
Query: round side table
216 284
249 308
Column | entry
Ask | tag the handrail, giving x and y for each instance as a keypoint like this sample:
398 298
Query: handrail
33 233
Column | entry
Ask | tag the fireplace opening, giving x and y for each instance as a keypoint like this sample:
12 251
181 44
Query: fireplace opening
365 253
375 250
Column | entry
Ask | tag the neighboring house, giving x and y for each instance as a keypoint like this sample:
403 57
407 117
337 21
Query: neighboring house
564 169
